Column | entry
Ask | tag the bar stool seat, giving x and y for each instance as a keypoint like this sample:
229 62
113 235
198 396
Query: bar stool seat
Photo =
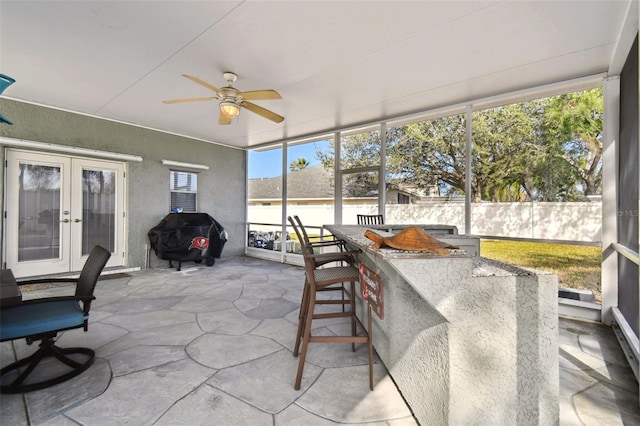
335 274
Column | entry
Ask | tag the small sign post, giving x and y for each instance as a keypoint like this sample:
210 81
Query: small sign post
372 290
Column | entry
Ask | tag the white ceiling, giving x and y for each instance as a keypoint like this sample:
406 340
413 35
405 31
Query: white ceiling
335 63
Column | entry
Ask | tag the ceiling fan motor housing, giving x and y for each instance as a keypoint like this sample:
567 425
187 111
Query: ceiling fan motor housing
229 94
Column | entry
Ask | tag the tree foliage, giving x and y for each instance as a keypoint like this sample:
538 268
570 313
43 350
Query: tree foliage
299 164
544 150
358 151
573 126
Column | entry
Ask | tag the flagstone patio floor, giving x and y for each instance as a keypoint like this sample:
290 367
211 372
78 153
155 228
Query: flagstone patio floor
213 346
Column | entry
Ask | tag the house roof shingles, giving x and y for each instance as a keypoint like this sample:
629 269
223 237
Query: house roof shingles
312 182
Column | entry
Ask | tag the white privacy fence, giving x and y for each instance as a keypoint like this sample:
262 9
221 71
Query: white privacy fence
548 221
551 221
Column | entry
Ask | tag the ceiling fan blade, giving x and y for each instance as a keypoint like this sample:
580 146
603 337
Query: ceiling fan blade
224 119
202 83
255 95
263 112
178 101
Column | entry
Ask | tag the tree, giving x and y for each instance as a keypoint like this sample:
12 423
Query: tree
542 150
504 149
573 127
299 164
428 153
357 151
433 152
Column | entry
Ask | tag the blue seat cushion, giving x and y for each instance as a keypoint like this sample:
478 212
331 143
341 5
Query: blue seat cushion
30 319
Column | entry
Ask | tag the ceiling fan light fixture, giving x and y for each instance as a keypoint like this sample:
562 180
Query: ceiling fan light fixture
229 108
231 100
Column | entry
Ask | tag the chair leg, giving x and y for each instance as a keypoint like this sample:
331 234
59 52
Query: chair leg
302 317
353 314
47 349
302 314
305 339
370 335
31 362
304 327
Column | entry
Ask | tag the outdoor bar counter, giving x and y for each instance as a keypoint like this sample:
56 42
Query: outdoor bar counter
466 339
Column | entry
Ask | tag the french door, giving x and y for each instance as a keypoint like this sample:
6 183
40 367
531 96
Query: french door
58 208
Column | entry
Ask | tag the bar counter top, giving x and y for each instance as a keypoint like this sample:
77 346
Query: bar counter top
469 248
354 234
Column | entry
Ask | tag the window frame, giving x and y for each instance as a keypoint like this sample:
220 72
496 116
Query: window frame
192 182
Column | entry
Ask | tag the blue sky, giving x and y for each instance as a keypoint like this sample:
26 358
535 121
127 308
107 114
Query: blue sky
269 163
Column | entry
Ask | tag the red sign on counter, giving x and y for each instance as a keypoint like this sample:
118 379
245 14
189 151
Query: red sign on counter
372 291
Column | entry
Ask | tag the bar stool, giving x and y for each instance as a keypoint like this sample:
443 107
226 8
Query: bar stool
340 258
370 219
318 279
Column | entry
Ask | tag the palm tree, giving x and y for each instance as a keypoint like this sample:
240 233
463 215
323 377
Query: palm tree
299 164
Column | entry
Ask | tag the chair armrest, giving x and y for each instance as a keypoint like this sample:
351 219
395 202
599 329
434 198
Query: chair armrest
328 243
320 244
335 257
319 257
329 239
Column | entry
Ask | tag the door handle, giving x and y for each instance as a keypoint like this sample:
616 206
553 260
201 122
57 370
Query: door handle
77 220
65 221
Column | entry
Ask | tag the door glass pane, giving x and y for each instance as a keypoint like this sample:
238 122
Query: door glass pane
39 212
98 209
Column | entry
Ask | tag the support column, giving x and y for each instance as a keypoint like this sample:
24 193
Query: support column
611 130
468 173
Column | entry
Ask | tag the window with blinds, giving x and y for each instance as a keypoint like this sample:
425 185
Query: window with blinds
184 190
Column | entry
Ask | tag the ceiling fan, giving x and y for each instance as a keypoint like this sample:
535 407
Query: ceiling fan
231 99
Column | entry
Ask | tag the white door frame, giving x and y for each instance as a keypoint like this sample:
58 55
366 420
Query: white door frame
70 222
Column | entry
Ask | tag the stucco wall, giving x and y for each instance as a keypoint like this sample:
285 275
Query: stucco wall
467 340
221 189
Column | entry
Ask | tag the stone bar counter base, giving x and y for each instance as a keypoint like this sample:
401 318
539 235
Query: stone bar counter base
467 340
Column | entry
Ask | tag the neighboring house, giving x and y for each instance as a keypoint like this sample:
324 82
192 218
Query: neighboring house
308 186
404 194
314 186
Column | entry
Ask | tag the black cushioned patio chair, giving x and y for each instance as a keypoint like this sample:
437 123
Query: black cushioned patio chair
42 320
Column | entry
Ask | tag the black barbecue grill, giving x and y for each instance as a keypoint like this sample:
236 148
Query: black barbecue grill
188 237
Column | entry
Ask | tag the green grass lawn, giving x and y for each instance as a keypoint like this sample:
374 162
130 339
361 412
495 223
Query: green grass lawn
576 266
